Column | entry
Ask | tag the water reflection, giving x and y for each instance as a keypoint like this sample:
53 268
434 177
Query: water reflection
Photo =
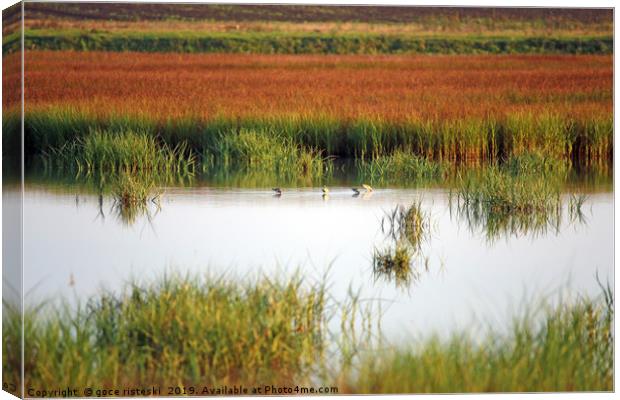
402 261
245 230
496 223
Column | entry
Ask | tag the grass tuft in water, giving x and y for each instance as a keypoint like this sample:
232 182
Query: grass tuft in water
401 166
521 197
112 152
264 150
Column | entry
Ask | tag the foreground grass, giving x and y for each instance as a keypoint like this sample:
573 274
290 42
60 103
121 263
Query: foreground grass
180 330
563 348
188 331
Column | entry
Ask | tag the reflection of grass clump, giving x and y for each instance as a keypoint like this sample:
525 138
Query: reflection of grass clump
400 166
499 192
408 228
393 264
522 196
265 150
182 330
564 348
109 152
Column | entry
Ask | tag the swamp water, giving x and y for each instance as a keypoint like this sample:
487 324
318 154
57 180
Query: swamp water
79 244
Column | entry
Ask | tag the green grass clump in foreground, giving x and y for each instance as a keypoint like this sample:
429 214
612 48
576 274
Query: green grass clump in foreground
563 348
181 330
187 331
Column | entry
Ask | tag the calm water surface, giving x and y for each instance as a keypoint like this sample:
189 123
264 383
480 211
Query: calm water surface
243 231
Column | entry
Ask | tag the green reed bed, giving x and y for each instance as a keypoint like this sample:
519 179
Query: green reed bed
567 347
264 150
400 166
181 330
125 151
521 196
583 141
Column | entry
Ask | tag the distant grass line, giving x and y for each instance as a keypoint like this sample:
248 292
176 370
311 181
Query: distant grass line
581 141
220 331
306 43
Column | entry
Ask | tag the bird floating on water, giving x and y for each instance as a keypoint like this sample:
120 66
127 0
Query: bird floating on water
367 187
278 191
356 191
325 190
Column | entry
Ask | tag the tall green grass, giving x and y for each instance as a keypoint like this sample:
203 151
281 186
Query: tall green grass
400 166
521 196
112 152
568 347
581 141
260 150
181 330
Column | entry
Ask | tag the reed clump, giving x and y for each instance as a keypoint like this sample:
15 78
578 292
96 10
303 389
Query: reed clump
495 191
112 152
401 166
521 196
182 330
568 347
217 331
265 150
536 163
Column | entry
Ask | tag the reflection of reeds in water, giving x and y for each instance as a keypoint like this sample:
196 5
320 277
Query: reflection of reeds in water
520 198
403 260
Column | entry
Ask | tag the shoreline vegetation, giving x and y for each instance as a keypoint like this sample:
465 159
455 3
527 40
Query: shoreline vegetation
302 43
218 330
578 141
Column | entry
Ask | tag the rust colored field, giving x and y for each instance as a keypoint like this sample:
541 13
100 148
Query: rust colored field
389 87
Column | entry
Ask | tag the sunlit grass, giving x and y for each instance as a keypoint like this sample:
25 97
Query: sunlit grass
404 149
264 150
127 151
216 331
568 347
